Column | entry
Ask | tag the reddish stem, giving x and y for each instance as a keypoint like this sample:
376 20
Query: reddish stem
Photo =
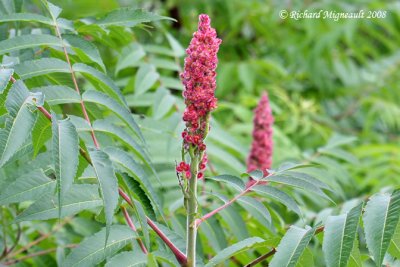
132 226
45 112
85 114
180 256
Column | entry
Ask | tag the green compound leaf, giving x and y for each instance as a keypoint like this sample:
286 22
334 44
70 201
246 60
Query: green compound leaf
292 246
79 197
340 234
108 184
92 251
30 186
65 154
380 220
19 123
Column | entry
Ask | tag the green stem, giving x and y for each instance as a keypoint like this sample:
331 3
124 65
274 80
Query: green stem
192 213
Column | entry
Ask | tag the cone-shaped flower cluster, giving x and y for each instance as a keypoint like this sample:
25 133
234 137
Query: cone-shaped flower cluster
199 81
260 157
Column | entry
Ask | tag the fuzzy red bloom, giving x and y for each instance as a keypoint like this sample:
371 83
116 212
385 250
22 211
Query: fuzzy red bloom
261 149
199 81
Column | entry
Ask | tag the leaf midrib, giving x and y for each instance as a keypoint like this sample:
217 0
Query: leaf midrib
103 248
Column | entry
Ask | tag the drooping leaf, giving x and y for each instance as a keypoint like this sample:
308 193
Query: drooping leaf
20 106
25 17
292 247
120 111
257 209
30 186
33 68
340 233
145 78
296 182
175 45
234 181
234 249
108 184
129 17
118 132
162 103
65 155
381 216
129 165
278 195
130 57
58 94
79 197
92 251
28 41
85 50
103 82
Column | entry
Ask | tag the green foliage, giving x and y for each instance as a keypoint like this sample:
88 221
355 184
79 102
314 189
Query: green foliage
334 93
339 237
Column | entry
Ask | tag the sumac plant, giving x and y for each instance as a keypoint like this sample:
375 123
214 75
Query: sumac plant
109 156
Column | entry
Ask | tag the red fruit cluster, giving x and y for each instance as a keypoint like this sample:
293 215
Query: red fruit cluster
261 150
183 167
199 81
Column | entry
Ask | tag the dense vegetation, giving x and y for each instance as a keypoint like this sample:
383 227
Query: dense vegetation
91 113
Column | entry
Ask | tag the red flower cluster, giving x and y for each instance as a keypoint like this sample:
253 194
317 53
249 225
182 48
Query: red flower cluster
202 166
261 150
183 167
199 81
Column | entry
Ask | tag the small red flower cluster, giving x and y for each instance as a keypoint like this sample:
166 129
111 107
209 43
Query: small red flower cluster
261 150
202 166
199 81
183 167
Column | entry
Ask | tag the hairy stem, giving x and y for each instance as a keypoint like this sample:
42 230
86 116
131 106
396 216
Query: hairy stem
192 206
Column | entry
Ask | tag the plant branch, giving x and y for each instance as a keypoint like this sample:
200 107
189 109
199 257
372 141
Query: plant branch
40 239
84 111
39 253
132 226
230 202
261 258
180 256
192 210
